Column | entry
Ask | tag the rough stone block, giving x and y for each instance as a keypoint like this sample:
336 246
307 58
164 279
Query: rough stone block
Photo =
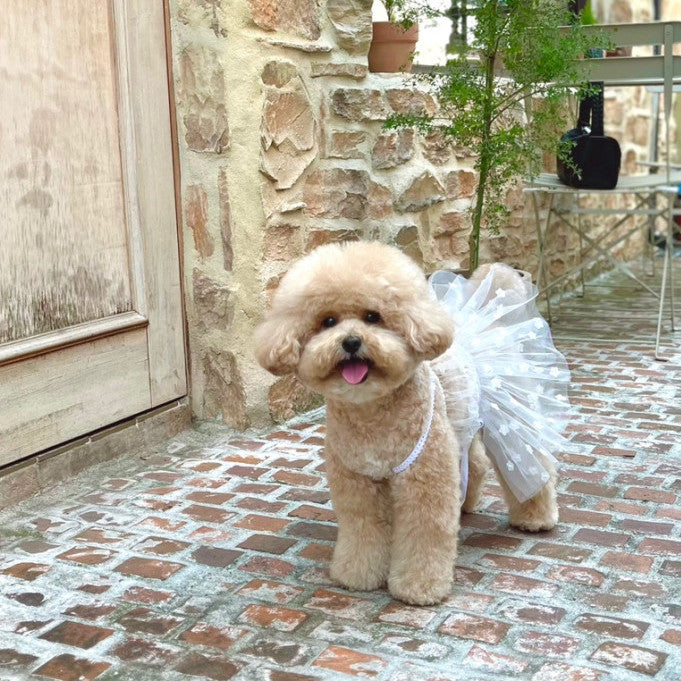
213 303
357 104
424 191
278 73
211 14
346 144
196 218
345 193
352 21
288 134
411 102
201 95
339 70
223 394
297 17
393 149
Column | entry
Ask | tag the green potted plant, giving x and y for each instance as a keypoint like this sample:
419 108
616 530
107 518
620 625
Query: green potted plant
394 41
515 59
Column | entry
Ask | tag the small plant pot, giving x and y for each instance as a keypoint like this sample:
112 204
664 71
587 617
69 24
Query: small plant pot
392 47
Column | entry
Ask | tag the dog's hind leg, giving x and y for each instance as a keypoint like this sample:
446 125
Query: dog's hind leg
538 513
478 466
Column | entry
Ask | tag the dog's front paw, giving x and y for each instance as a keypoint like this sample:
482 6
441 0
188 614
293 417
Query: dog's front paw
359 572
420 589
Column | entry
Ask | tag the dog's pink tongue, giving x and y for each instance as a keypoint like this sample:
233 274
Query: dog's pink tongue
355 372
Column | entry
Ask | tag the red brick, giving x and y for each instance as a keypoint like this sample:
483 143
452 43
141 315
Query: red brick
511 563
479 658
646 527
308 512
593 489
533 588
662 547
614 451
216 668
267 544
532 613
601 538
164 524
140 594
90 612
77 634
250 472
12 658
540 644
208 514
256 488
646 494
671 567
281 653
150 568
215 557
320 553
573 554
468 601
576 516
558 671
205 634
612 626
214 498
142 651
266 590
672 636
621 507
475 627
27 571
351 662
290 463
262 523
607 602
70 668
274 617
147 621
298 479
315 531
650 590
627 561
210 535
272 567
161 546
493 541
338 604
576 575
313 496
261 505
101 536
630 657
406 615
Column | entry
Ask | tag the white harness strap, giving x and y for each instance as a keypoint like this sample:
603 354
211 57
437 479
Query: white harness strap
418 447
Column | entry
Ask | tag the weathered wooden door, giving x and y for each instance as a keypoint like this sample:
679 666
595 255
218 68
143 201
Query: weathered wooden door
90 299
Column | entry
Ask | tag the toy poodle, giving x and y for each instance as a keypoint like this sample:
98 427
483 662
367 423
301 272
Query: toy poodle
359 323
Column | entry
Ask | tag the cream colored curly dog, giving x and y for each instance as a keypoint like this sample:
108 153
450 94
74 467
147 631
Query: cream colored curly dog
356 323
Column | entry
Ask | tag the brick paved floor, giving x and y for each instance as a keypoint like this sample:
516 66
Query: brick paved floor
208 559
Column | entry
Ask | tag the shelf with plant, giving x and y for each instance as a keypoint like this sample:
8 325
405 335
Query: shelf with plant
504 96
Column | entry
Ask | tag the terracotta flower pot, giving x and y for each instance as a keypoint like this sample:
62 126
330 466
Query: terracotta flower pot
392 47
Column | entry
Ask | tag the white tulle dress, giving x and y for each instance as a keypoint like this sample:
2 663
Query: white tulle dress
503 373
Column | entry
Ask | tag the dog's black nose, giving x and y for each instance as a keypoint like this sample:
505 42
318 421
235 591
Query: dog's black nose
351 344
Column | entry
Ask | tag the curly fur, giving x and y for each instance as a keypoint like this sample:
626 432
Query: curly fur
400 530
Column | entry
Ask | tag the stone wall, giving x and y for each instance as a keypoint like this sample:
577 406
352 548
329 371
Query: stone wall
282 148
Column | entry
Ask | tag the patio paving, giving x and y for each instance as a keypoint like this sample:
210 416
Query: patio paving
207 558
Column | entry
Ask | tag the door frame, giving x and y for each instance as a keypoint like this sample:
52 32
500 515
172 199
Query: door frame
150 171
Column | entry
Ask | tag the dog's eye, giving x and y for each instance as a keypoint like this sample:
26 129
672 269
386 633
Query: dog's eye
372 317
329 322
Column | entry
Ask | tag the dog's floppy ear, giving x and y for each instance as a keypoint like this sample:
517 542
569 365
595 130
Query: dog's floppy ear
277 344
428 328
